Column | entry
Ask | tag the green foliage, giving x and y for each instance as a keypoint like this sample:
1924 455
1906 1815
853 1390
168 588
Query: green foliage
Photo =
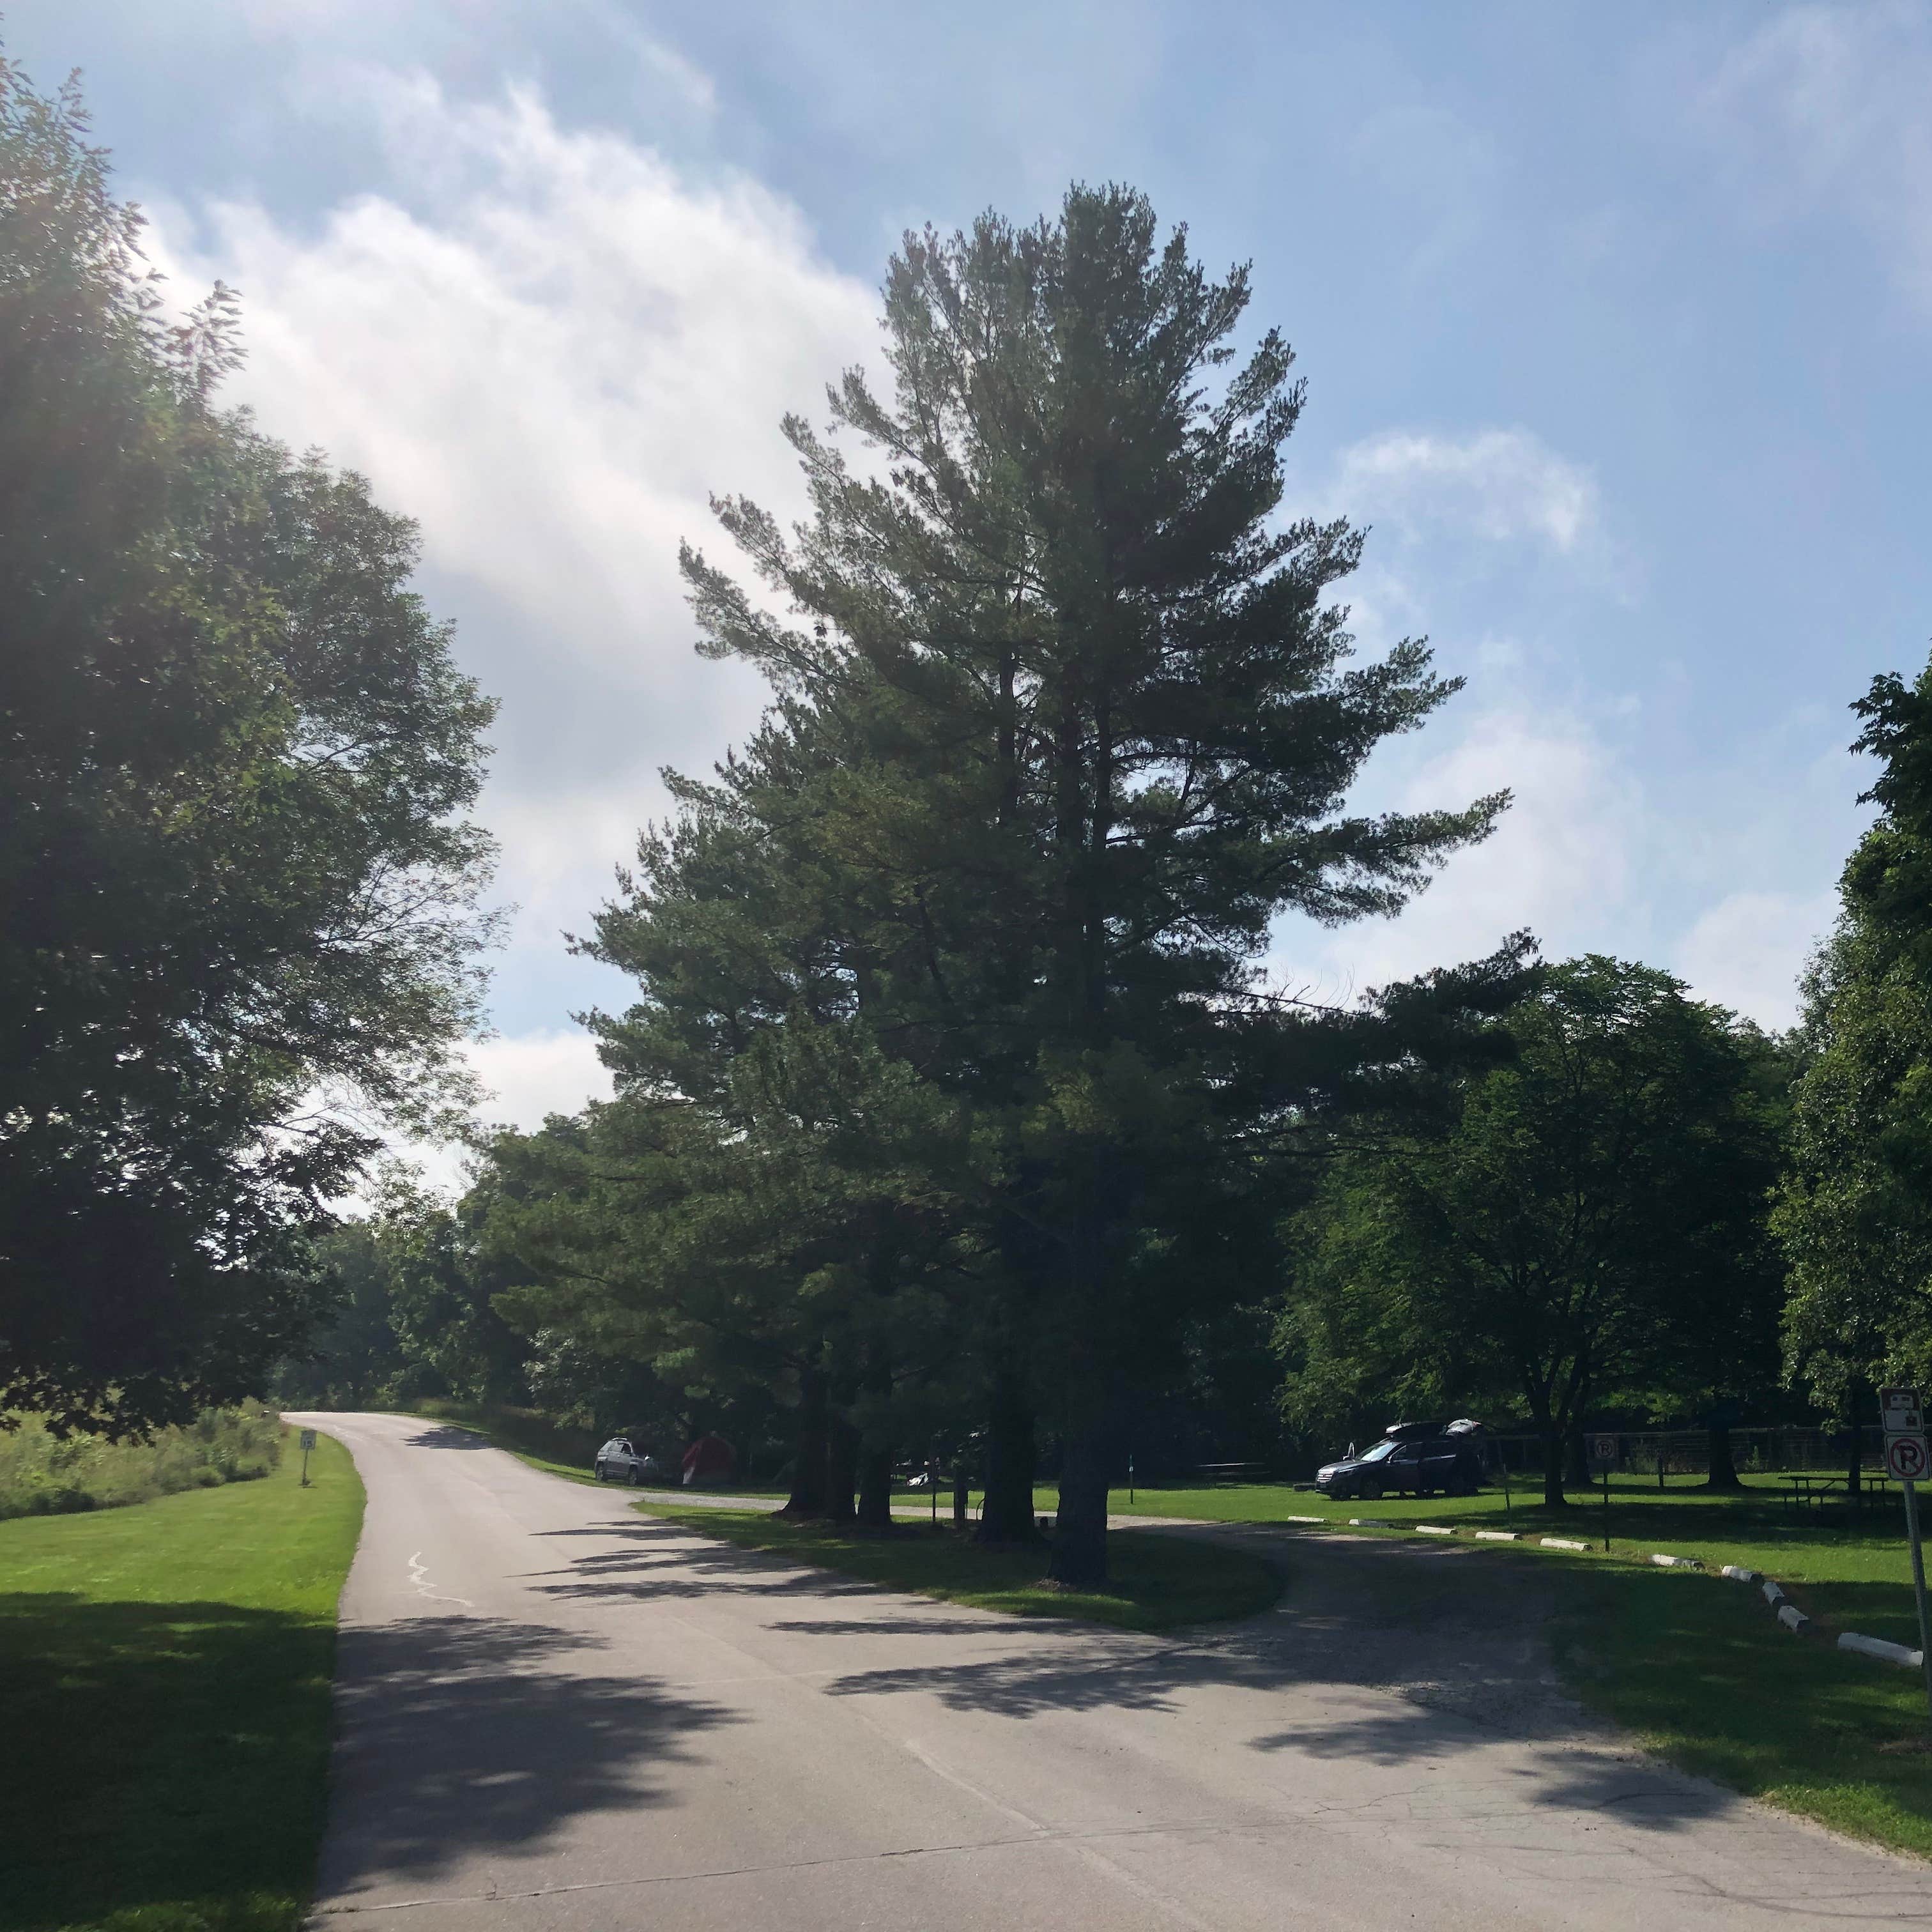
234 874
949 1082
1588 1223
1853 1212
42 1474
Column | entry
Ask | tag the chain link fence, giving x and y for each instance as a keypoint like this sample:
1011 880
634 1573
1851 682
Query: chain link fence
1686 1452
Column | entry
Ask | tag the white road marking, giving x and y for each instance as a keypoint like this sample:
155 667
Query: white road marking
419 1577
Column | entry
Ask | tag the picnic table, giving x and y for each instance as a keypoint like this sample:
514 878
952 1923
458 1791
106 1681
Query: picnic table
1814 1491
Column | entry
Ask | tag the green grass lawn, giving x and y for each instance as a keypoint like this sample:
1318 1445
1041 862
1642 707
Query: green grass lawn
1156 1582
165 1672
1700 1671
1753 1529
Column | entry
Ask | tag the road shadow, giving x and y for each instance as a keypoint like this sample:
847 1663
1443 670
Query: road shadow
668 1563
159 1758
1442 1663
459 1734
981 1626
446 1435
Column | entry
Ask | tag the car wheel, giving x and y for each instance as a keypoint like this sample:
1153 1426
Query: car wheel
598 1472
637 1476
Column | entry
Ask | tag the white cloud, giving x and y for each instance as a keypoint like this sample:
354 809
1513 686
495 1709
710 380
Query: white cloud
548 346
530 1075
1502 485
1593 857
1748 950
1826 108
1563 861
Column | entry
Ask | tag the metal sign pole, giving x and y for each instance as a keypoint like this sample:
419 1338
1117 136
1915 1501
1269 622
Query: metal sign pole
1918 1586
1604 1453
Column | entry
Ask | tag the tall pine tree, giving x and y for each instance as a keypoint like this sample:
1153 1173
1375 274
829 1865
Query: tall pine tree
1119 721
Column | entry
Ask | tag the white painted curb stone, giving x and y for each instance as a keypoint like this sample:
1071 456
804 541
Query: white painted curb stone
1674 1562
1793 1618
1877 1646
1304 1519
1497 1535
1432 1529
1737 1573
1562 1543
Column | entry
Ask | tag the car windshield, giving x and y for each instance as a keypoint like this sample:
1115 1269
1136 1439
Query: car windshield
1379 1453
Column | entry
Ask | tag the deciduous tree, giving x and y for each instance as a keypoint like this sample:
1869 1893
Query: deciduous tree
237 929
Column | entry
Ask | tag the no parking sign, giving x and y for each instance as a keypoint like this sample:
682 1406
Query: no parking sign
1906 1458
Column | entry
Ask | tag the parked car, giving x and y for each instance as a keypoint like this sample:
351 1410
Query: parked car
619 1461
1413 1458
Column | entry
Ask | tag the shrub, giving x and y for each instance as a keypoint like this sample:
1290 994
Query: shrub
40 1474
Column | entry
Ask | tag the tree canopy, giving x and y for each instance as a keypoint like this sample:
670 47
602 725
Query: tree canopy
948 988
1586 1223
238 893
1852 1211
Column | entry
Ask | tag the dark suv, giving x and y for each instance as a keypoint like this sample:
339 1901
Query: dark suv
1414 1459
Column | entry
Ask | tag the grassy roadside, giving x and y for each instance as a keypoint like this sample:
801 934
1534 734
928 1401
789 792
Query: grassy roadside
1862 1568
1699 1670
1157 1583
1694 1665
165 1669
531 1438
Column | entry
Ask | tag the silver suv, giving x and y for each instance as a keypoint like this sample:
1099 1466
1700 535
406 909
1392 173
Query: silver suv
619 1462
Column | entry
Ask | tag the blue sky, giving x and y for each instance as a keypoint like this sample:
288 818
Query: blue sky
1615 322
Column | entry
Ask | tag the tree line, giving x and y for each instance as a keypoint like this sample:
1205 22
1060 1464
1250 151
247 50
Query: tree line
956 1106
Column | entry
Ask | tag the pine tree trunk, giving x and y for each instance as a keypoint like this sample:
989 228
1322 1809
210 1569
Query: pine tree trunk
875 1488
961 1494
841 1468
1079 1556
1006 1515
1094 1417
808 1474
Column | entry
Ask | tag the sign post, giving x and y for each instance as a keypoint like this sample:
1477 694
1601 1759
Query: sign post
1604 1453
1907 1457
308 1444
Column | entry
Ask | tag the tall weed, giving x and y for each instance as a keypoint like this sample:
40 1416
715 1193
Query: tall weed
41 1475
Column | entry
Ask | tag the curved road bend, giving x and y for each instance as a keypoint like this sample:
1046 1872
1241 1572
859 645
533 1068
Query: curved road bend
556 1714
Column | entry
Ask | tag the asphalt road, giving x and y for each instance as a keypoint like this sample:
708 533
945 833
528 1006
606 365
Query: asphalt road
556 1714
